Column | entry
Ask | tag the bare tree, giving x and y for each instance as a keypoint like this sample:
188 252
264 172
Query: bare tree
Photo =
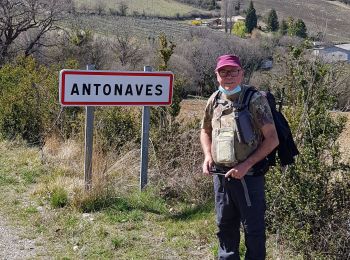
18 17
123 8
126 48
227 11
100 7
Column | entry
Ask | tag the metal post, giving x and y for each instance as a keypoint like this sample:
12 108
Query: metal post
144 141
89 130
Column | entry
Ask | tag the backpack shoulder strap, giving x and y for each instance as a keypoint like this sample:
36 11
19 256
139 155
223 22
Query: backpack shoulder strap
218 100
247 96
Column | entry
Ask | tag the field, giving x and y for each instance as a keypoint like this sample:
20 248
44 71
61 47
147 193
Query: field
144 28
163 8
331 18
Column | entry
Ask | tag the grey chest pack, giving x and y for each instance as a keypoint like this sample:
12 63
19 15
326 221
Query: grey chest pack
235 135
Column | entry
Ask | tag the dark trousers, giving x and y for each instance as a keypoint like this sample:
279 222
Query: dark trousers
239 201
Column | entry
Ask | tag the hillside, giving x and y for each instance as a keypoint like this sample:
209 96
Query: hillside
140 27
163 8
329 17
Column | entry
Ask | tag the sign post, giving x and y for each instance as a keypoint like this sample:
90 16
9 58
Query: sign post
89 133
91 88
144 141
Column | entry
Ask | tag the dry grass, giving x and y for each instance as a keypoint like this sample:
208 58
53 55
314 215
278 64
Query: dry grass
344 139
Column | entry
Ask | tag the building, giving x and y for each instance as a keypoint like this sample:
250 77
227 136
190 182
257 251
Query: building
335 53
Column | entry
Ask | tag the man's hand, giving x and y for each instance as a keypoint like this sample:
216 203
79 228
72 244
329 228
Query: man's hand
238 171
206 145
207 165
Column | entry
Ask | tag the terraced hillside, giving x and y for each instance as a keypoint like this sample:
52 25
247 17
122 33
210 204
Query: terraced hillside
163 8
145 28
330 17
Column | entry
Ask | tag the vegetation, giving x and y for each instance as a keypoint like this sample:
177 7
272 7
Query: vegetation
196 22
296 28
272 21
124 224
28 100
207 4
284 27
251 19
41 144
143 8
309 201
239 29
20 18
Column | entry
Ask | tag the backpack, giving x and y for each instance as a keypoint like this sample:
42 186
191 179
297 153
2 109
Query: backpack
287 149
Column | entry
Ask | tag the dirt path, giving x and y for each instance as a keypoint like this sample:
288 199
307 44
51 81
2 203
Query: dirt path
13 245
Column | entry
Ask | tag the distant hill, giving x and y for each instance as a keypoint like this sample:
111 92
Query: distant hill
329 17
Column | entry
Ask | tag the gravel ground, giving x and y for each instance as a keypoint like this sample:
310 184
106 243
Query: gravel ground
13 245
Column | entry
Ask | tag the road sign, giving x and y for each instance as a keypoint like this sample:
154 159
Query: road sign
115 88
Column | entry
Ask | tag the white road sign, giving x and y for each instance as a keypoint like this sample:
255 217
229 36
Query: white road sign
112 88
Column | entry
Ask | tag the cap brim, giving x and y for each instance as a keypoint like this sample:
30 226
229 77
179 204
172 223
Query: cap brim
228 64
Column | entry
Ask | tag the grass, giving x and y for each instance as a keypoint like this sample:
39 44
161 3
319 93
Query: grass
161 8
114 225
125 226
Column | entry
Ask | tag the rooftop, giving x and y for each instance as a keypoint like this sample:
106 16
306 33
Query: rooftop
345 46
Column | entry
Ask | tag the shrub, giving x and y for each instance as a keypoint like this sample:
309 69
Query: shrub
27 100
29 105
196 22
309 201
297 28
178 161
58 197
116 126
239 29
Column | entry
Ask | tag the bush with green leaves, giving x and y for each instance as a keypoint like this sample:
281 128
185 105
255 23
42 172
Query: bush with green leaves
27 100
239 29
297 28
29 106
115 127
309 201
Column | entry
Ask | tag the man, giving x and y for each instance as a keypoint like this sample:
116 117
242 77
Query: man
239 191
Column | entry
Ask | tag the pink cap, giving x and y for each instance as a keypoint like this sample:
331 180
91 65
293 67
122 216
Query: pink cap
227 60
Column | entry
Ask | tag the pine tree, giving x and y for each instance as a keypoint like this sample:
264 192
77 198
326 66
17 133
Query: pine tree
297 28
272 21
251 19
283 28
300 29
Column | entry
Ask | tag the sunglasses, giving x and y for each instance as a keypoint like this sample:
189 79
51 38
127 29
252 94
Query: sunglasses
230 73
